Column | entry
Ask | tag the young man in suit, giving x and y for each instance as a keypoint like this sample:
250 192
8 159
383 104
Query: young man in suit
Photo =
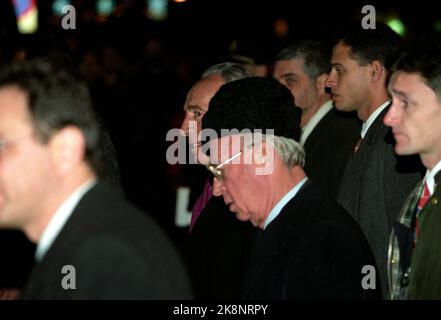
375 182
91 244
326 132
307 246
415 118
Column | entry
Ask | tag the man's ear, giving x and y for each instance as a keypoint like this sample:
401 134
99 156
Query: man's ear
320 83
264 159
376 70
68 148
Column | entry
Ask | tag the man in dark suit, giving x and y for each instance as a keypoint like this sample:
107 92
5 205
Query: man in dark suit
415 116
219 244
307 246
213 233
376 182
195 106
91 244
327 134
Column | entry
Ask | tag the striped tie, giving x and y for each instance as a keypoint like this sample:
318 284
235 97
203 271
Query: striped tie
425 195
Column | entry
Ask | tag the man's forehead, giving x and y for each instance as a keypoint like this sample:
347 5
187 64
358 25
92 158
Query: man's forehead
13 104
12 91
208 85
293 63
402 81
203 90
341 53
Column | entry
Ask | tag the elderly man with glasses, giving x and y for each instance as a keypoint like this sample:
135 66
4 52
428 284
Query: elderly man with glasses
307 246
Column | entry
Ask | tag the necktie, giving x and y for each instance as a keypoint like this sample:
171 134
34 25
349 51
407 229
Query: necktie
425 195
201 202
356 146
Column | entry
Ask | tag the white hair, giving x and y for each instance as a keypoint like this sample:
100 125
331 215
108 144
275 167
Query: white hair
290 151
229 71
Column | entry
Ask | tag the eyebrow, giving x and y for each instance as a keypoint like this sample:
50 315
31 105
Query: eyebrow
402 95
289 74
193 107
335 64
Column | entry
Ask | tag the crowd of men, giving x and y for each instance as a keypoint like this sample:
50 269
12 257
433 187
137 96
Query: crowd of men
324 169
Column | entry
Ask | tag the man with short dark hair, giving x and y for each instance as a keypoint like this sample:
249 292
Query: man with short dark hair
415 118
326 132
91 244
375 182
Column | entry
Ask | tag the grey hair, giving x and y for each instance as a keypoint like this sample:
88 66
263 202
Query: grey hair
315 56
229 71
290 151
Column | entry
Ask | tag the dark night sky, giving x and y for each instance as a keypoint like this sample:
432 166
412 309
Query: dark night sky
210 25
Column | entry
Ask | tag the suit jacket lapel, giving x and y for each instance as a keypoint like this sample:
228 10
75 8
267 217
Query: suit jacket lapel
372 133
371 137
69 232
270 242
263 252
315 136
356 164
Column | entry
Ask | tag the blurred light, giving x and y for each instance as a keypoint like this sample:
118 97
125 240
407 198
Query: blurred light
396 25
233 46
26 14
157 9
281 27
437 26
179 1
105 7
58 5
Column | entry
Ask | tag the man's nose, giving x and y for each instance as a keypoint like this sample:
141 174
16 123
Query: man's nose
185 124
330 80
392 117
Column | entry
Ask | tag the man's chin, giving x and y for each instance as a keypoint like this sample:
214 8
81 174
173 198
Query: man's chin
403 150
240 215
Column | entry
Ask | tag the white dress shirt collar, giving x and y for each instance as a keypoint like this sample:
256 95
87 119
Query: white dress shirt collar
59 219
430 177
372 117
286 198
312 123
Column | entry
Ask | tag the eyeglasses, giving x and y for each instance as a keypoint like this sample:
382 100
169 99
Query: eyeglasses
216 170
5 143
